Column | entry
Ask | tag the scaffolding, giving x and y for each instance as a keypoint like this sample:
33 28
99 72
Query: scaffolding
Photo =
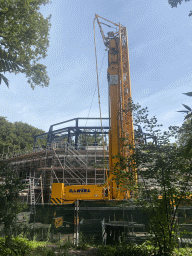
63 158
59 162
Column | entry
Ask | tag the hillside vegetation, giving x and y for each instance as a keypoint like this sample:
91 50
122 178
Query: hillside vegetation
17 135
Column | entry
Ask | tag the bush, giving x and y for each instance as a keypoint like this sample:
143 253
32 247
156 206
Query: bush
138 250
183 252
22 246
125 250
67 245
42 251
14 246
82 247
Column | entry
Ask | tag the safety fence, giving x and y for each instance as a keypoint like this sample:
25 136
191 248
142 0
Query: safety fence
101 222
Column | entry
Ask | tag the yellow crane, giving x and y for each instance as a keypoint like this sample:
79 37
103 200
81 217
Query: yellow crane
120 116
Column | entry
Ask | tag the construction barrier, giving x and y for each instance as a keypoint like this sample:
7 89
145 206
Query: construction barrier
94 222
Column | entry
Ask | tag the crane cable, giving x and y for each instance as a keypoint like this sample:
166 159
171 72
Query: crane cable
94 91
99 99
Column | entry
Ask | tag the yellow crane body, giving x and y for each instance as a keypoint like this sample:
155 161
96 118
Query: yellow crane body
121 122
69 194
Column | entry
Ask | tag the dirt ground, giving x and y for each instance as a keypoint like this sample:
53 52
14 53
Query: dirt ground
91 251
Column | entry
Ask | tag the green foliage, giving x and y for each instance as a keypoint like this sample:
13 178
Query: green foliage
44 251
82 247
24 37
13 246
182 252
17 136
67 245
125 250
174 3
134 250
10 203
9 63
22 246
164 179
185 135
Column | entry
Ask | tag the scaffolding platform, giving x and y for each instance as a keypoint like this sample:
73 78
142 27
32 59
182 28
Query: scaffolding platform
60 162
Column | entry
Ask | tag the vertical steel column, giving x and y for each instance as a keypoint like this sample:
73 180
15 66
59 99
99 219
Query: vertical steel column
76 223
76 134
95 167
69 136
41 190
95 138
64 167
86 167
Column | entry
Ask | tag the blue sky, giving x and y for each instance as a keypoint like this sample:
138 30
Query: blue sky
160 47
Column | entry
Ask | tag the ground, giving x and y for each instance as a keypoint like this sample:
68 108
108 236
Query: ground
90 251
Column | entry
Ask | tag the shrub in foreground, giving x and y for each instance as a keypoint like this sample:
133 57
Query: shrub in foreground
12 246
126 250
138 250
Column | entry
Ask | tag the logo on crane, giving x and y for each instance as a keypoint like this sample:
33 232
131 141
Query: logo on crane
82 190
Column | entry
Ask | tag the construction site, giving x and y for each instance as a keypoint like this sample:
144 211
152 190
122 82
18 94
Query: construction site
74 178
63 169
65 159
61 161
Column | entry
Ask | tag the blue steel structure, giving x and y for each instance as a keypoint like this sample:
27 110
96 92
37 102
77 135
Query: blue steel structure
69 131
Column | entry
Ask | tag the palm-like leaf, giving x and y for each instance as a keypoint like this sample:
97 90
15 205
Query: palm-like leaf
9 63
185 111
188 112
188 93
187 107
6 81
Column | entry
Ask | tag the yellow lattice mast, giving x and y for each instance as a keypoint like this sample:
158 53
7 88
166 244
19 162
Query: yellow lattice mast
120 114
121 123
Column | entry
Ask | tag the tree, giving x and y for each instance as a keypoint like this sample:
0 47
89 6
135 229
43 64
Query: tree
7 63
10 203
185 136
164 180
17 136
24 39
189 110
174 3
185 133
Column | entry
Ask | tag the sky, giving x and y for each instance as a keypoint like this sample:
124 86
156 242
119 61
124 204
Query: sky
160 47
